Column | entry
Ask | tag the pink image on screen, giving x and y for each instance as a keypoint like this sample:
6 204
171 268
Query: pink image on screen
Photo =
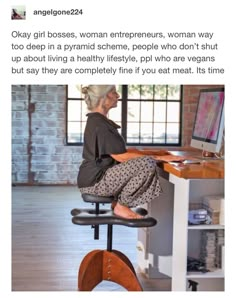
208 116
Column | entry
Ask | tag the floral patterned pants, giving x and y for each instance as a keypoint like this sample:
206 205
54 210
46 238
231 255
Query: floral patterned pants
132 183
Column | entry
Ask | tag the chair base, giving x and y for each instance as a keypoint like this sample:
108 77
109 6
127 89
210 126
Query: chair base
111 265
99 265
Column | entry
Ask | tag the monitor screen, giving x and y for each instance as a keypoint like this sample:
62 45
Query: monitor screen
208 126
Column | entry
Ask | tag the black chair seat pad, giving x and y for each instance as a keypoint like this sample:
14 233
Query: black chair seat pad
96 199
88 217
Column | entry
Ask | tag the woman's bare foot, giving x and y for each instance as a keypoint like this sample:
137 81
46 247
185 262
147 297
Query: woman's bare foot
124 211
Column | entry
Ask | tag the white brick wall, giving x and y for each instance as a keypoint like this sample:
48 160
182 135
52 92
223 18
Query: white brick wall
46 160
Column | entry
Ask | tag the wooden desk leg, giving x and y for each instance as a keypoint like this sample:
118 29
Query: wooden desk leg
113 266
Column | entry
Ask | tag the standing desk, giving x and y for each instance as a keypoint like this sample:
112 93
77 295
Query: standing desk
165 249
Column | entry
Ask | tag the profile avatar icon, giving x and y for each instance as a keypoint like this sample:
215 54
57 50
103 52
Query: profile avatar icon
18 13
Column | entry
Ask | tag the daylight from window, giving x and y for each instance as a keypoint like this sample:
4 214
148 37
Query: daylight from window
153 114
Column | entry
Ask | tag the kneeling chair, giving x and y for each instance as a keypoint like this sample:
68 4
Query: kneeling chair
111 265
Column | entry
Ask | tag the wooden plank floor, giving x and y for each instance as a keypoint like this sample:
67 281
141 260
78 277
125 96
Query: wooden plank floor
47 248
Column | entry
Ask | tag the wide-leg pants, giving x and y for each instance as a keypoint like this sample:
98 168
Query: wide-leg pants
132 183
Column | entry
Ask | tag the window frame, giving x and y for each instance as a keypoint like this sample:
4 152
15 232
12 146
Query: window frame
124 108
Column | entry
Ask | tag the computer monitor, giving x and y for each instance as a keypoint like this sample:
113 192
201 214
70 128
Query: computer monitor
208 129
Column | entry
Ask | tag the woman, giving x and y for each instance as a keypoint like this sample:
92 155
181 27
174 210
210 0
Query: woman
132 182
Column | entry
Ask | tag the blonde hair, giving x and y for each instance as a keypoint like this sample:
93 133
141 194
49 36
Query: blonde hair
94 93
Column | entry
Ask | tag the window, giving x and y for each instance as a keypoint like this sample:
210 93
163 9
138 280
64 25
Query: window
148 115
